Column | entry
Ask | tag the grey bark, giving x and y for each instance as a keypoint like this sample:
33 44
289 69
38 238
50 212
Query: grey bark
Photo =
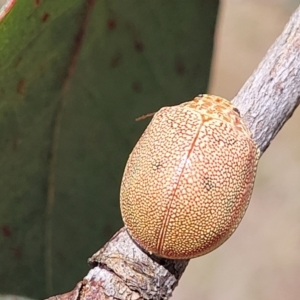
272 93
121 270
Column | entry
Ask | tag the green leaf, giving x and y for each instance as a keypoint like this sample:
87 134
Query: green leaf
13 297
74 76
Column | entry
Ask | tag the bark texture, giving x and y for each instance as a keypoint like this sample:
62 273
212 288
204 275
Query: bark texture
272 93
121 270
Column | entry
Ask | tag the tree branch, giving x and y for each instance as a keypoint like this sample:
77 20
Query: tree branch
121 270
272 93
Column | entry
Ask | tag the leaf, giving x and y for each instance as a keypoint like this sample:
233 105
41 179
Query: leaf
13 297
74 76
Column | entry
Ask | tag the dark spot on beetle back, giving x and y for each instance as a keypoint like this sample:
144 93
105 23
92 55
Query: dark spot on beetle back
208 184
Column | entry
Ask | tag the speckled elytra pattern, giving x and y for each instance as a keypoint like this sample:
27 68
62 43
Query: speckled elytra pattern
189 179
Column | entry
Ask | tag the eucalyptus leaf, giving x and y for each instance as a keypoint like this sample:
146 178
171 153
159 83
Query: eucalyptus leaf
74 76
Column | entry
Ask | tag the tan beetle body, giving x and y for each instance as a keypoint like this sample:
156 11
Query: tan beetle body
189 179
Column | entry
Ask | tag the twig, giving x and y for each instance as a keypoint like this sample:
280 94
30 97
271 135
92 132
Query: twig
272 93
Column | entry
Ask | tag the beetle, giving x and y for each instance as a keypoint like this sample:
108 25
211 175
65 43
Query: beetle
188 181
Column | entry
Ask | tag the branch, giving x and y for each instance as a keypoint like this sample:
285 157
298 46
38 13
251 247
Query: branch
121 270
272 93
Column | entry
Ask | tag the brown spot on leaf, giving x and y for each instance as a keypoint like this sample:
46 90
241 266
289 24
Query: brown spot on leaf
17 252
116 60
45 17
6 231
37 2
139 46
136 86
179 66
16 143
21 87
91 3
111 24
78 42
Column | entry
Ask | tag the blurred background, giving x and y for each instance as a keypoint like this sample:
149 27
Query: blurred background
261 260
